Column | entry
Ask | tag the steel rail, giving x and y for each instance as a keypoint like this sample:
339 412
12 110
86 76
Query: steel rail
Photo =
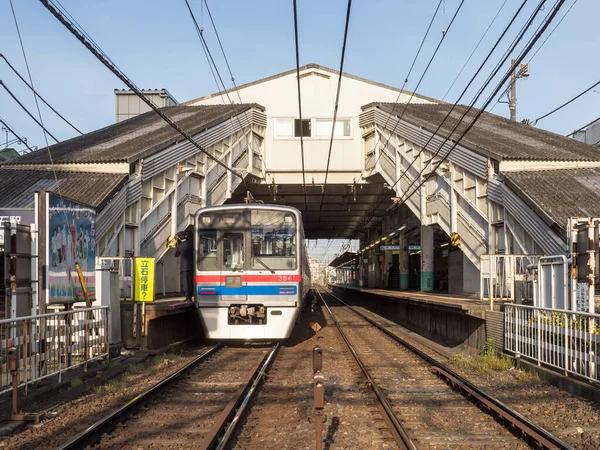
527 427
400 434
94 433
234 422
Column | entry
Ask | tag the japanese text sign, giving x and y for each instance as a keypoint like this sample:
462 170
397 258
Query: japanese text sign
144 279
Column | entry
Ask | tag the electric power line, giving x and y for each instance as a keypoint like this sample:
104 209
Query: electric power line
96 51
22 139
444 33
300 107
406 80
24 108
552 31
337 100
517 61
38 95
566 103
498 66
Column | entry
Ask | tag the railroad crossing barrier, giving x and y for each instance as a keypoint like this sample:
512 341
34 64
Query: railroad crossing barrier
561 339
49 344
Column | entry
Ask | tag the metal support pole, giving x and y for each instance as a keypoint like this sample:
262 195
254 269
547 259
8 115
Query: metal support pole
14 372
319 396
513 93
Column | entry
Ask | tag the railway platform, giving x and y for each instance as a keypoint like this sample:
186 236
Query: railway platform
156 325
460 323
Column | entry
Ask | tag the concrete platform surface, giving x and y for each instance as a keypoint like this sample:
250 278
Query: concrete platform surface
471 306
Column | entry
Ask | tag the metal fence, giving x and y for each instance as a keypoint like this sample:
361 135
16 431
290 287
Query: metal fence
508 277
49 344
557 338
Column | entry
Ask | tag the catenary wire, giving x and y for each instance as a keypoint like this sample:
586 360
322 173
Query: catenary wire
24 108
552 31
300 106
48 4
566 103
498 66
406 80
475 49
37 94
221 88
335 108
444 34
499 86
14 133
223 51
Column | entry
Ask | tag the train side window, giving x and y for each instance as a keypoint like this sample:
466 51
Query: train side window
207 250
233 251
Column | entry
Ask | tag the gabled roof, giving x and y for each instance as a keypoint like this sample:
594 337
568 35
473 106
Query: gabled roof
133 138
494 136
17 187
306 67
557 195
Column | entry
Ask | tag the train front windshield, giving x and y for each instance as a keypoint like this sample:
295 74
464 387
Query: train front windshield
247 240
273 237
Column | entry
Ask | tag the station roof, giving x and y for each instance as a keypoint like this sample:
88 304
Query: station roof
17 187
494 136
344 258
133 138
557 195
307 67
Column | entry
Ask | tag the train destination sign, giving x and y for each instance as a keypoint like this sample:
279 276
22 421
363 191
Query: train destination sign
389 247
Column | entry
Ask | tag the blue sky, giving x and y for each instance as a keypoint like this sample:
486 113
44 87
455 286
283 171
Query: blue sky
155 44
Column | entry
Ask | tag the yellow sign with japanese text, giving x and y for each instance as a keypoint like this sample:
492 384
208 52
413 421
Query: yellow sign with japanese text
144 279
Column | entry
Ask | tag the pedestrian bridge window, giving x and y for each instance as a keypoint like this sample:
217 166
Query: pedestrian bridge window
343 128
292 128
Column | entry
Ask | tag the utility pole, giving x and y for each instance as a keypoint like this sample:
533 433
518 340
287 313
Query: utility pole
523 72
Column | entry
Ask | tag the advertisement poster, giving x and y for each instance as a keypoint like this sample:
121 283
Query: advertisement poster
144 279
71 239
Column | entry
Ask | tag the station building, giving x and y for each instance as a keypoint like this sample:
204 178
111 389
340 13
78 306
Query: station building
507 188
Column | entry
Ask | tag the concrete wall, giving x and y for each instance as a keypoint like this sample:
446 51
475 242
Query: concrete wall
280 98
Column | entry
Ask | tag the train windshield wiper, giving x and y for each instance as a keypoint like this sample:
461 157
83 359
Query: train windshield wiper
263 264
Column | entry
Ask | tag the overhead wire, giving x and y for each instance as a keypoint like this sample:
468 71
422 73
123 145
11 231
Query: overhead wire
38 95
498 66
444 34
406 79
475 49
300 106
335 108
584 127
566 103
221 88
24 108
21 139
480 112
104 59
499 85
552 31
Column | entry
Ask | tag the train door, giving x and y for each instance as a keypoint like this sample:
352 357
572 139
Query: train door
233 273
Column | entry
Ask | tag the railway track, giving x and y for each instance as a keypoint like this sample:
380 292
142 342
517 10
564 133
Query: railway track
426 404
197 407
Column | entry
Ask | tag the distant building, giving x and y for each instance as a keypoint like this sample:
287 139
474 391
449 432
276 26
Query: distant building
589 134
8 153
129 105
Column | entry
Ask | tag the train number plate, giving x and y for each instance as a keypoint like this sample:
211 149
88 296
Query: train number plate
233 282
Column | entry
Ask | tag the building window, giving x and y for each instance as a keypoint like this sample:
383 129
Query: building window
290 128
343 127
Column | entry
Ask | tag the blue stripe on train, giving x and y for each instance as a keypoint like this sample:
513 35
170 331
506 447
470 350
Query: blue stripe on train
248 290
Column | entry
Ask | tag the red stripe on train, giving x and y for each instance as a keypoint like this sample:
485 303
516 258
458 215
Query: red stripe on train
250 278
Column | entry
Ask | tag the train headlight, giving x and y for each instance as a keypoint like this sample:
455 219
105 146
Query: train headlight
206 220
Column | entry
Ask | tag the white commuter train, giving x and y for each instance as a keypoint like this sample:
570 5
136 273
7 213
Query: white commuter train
252 274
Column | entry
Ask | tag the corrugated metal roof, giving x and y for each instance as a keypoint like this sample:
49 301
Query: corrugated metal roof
557 195
17 187
134 138
493 135
344 258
